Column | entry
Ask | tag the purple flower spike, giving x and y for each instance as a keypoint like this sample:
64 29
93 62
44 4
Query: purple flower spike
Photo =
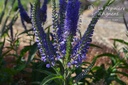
62 10
23 13
45 46
71 21
82 46
43 11
72 16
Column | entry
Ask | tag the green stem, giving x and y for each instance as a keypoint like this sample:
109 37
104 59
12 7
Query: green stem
67 58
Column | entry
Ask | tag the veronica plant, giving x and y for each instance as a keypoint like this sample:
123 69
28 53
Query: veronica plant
65 52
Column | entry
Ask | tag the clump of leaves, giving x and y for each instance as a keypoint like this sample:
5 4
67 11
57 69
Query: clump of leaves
12 64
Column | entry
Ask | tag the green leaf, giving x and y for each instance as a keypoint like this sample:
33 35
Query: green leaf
118 80
23 52
93 45
32 50
50 78
26 31
3 11
19 68
4 26
5 53
120 41
123 73
61 66
111 56
1 50
44 71
10 26
32 53
123 67
110 2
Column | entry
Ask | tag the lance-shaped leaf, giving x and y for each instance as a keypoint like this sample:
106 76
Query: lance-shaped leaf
3 11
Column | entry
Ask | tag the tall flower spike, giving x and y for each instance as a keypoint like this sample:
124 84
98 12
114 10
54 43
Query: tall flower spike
54 17
72 16
80 50
62 10
58 25
43 11
23 13
71 21
92 24
55 25
54 20
43 45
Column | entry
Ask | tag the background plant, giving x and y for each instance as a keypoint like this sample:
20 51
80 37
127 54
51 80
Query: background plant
12 64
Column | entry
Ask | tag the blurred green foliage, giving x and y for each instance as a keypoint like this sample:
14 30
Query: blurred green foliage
25 3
